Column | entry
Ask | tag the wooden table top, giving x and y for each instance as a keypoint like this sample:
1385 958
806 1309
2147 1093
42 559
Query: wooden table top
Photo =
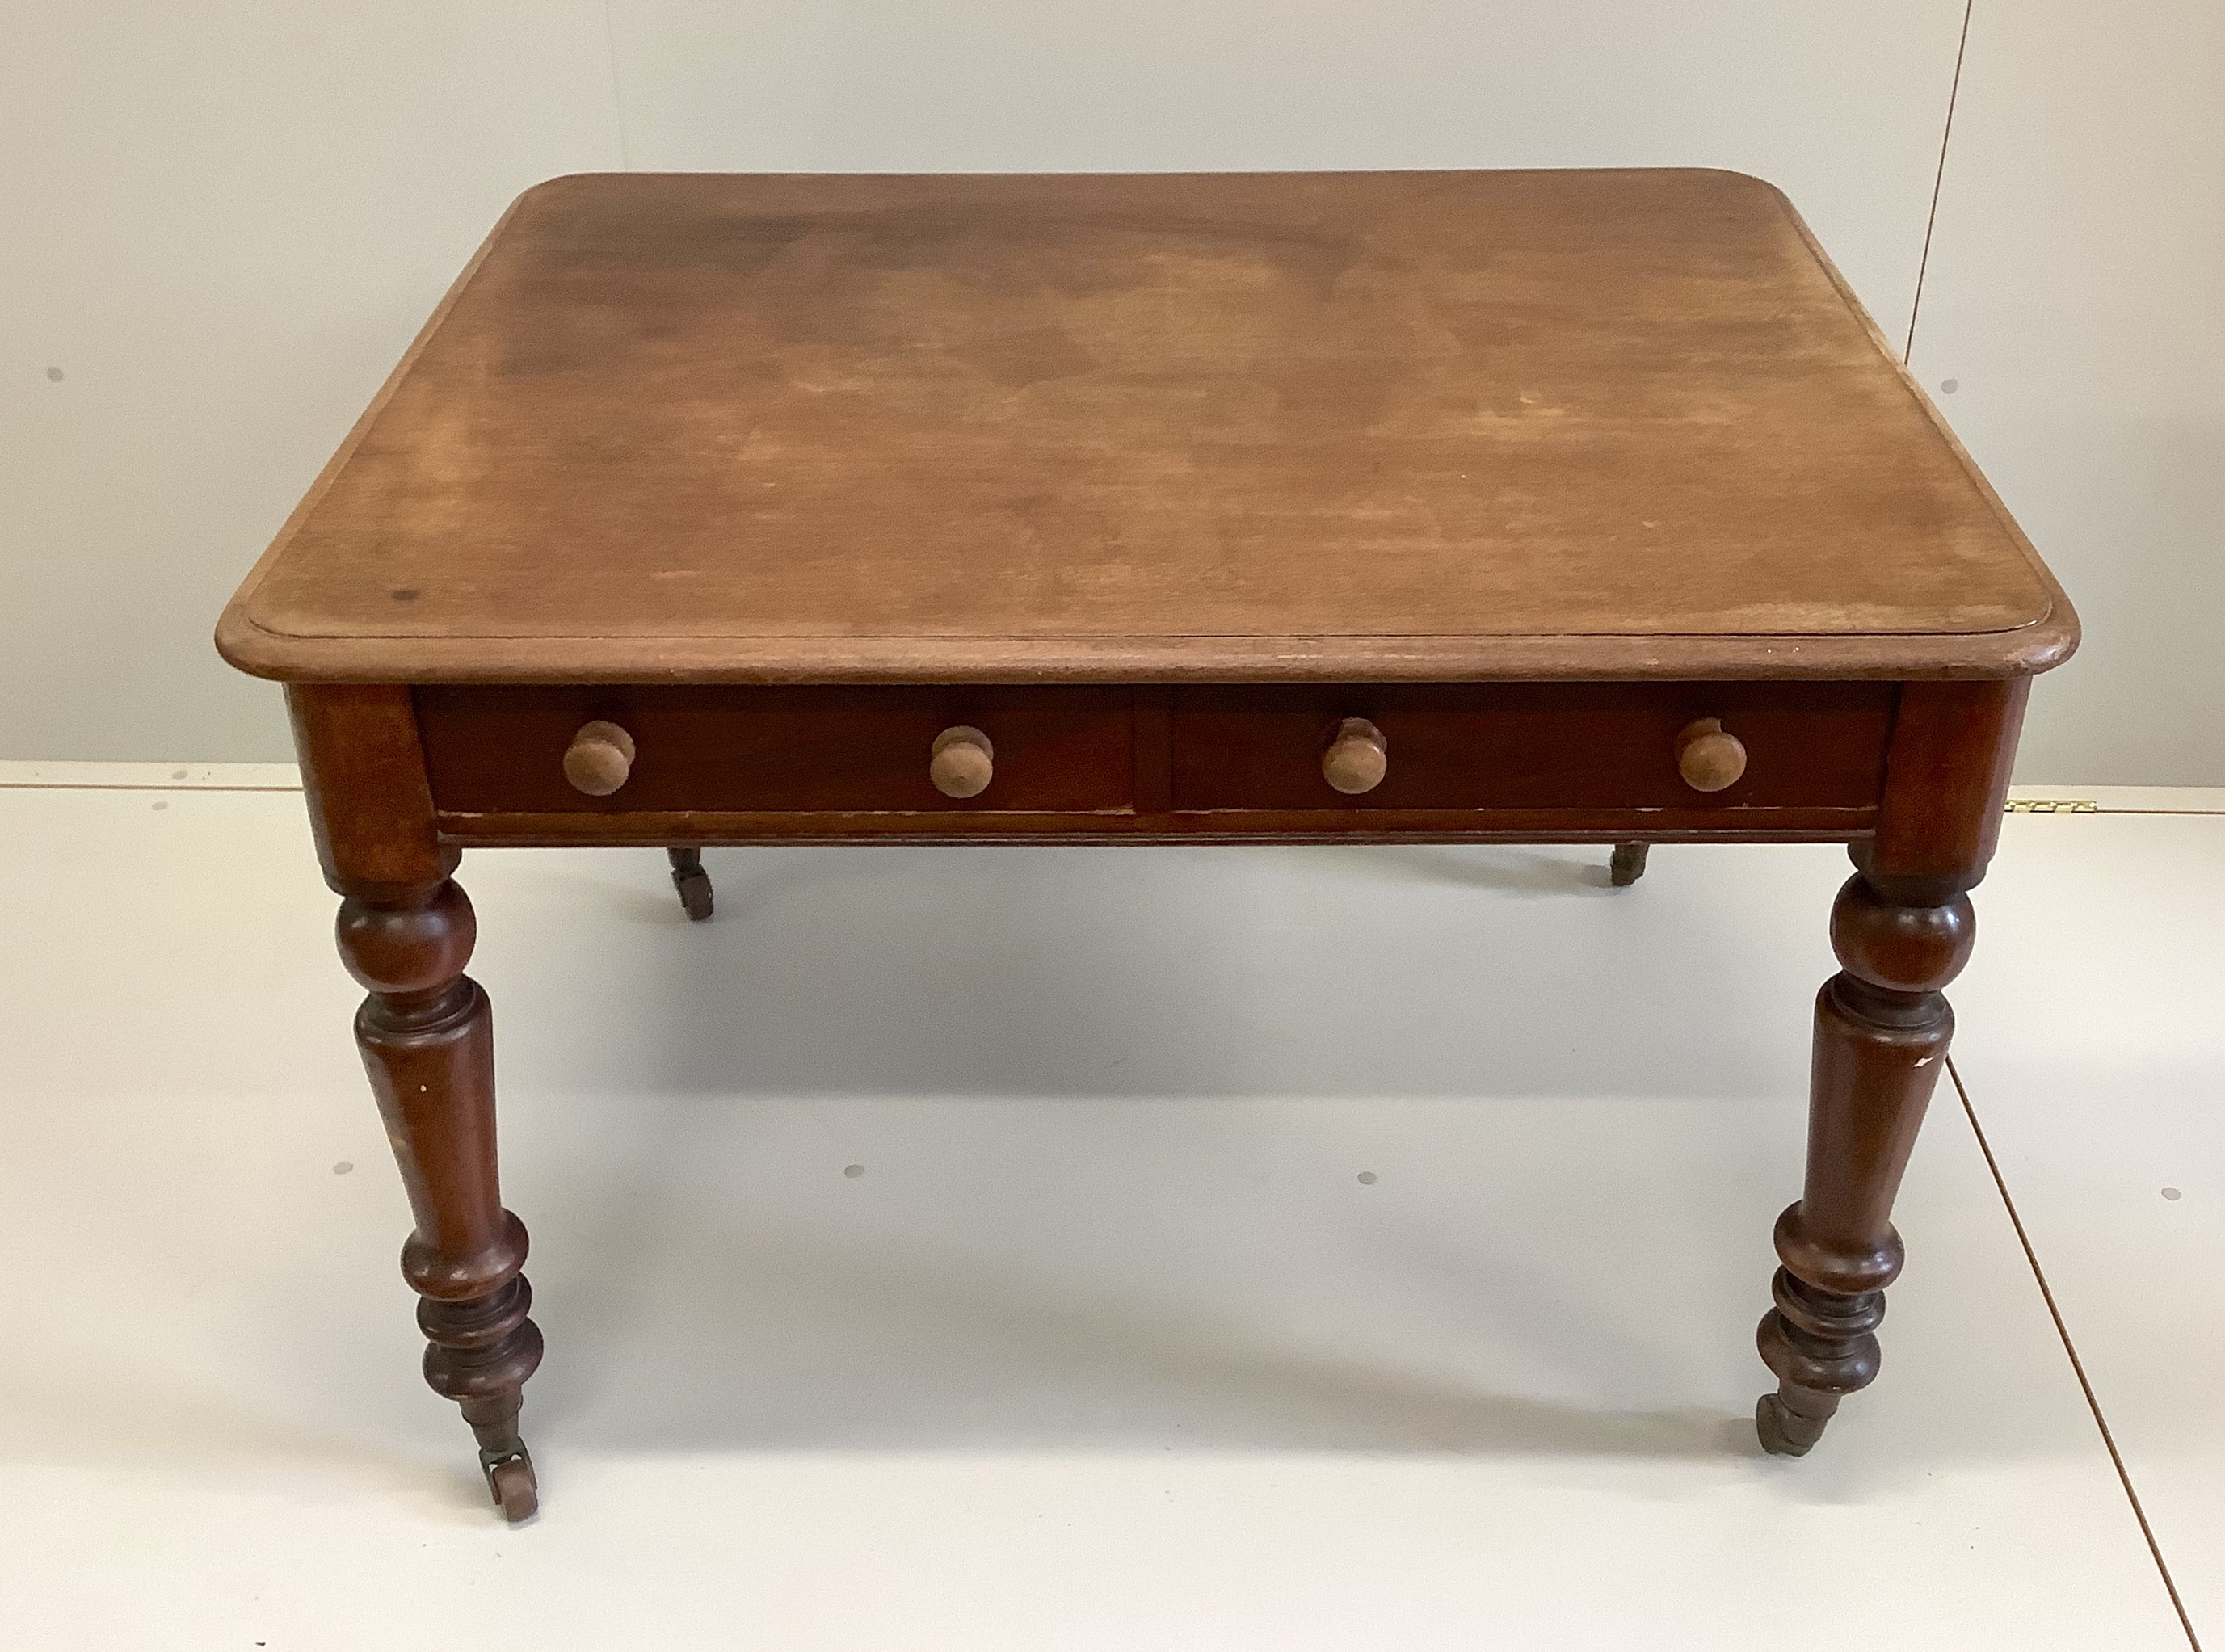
1359 426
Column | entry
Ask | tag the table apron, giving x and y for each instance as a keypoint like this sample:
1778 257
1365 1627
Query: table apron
1578 761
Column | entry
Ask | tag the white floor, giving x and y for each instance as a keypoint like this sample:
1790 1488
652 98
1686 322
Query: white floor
1079 1248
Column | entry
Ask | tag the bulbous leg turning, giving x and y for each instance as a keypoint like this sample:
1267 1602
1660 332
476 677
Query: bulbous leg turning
426 1036
1882 1028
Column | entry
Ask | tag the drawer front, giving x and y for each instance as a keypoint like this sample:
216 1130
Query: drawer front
1529 746
778 750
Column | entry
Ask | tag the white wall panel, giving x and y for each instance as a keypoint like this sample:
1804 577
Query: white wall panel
222 222
1841 106
2075 302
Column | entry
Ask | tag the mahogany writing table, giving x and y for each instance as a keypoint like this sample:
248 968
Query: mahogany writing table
1581 507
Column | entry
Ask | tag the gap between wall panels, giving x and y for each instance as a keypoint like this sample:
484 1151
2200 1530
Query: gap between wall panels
1939 180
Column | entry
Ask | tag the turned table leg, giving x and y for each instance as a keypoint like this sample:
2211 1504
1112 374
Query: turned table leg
1902 928
427 1042
1881 1032
405 933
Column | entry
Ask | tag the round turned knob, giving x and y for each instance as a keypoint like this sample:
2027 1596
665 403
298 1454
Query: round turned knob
1357 758
599 758
1709 759
962 762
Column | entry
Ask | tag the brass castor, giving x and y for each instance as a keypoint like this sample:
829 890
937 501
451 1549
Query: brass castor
692 882
510 1482
1628 864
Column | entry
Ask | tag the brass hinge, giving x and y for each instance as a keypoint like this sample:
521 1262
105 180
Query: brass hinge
2053 805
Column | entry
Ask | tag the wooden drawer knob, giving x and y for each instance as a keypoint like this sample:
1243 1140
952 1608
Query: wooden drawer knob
1357 758
1709 759
962 762
599 758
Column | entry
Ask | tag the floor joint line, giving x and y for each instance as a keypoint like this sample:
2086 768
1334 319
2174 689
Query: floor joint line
2078 1366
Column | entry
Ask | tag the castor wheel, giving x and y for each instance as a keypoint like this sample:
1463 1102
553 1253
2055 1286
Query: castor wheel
695 895
1785 1432
692 882
1628 864
515 1490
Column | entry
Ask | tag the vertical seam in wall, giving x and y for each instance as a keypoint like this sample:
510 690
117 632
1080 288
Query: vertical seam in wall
618 95
1938 179
2077 1366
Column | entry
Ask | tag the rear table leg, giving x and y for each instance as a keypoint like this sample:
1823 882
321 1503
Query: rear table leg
692 881
1628 864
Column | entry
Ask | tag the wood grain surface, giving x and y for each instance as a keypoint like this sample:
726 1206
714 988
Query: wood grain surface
1257 427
